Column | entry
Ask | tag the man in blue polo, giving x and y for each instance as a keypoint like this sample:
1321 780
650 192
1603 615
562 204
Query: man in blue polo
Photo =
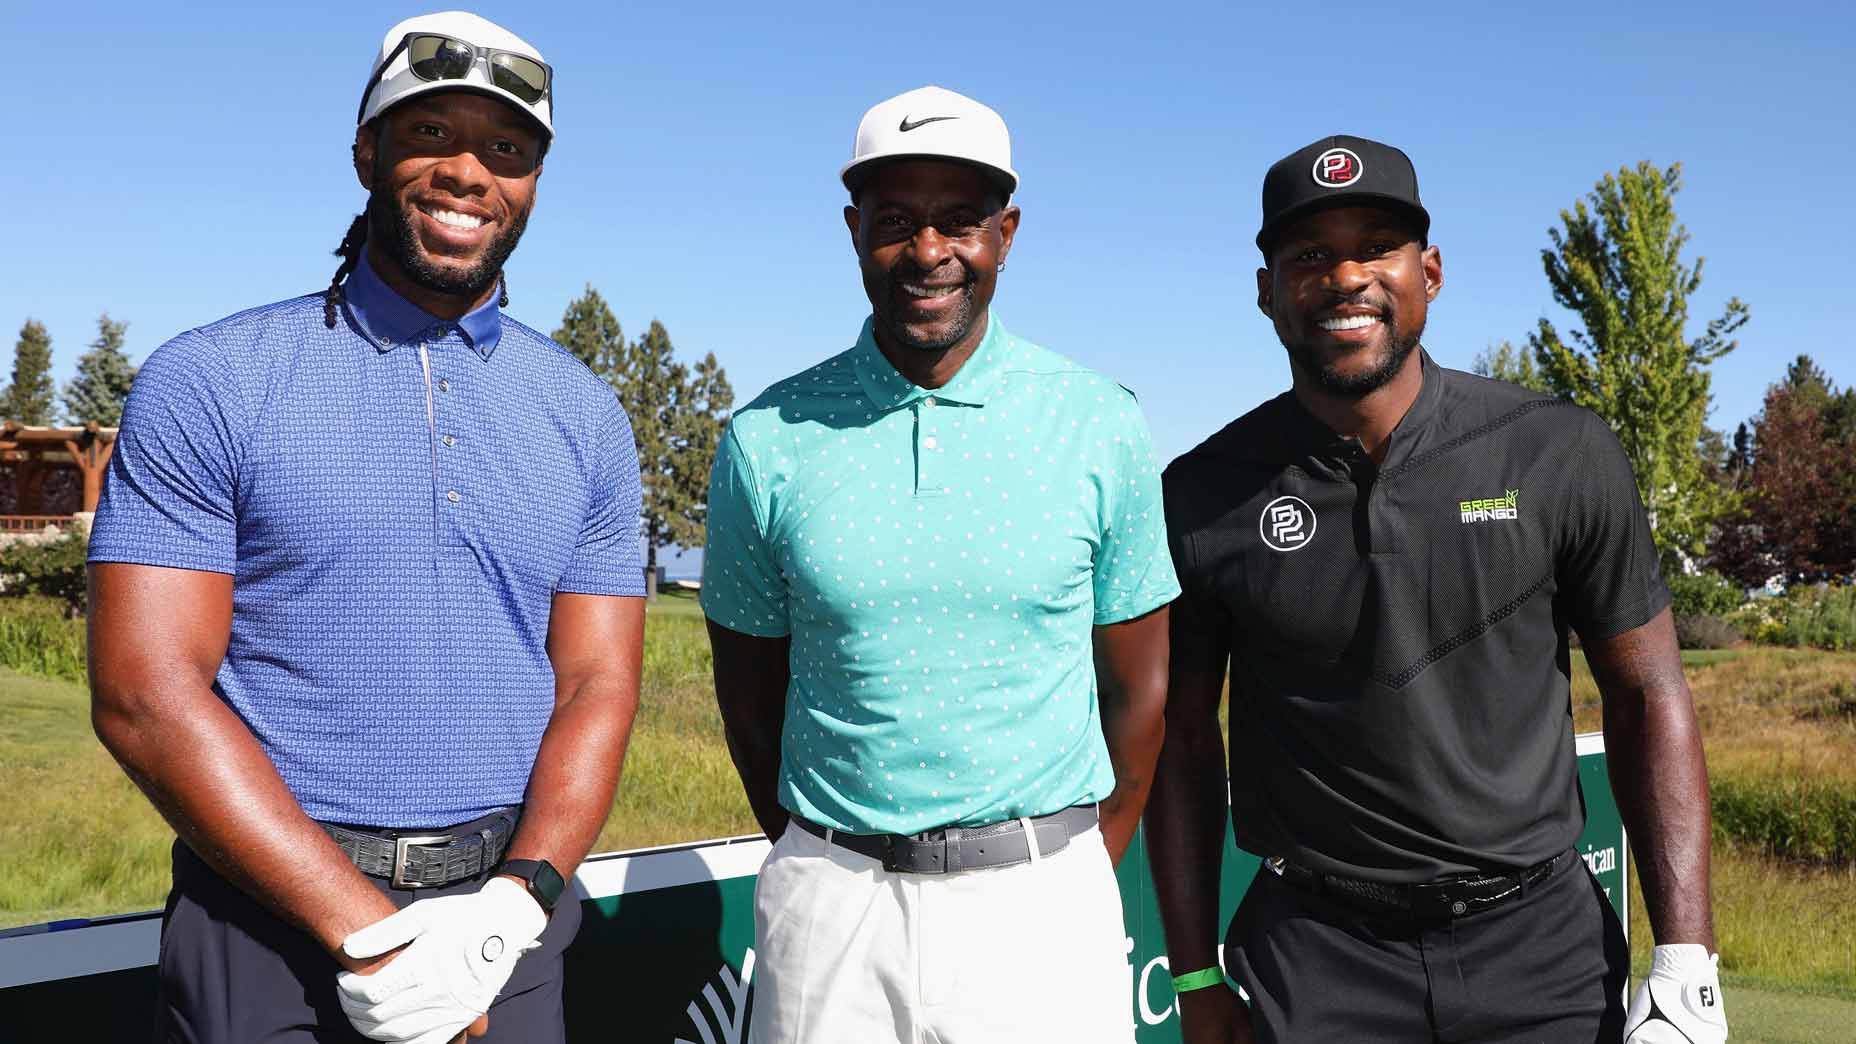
365 588
936 581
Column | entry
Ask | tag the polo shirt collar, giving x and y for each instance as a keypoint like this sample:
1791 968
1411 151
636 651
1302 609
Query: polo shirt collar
973 385
389 320
1308 434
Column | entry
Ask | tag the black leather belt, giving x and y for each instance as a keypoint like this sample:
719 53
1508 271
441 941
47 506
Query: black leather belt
953 849
1448 897
427 859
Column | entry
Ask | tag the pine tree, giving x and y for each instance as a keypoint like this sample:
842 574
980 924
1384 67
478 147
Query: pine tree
101 387
1617 265
592 333
29 398
677 414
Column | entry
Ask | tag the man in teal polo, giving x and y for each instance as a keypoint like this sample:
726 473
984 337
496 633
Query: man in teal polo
936 581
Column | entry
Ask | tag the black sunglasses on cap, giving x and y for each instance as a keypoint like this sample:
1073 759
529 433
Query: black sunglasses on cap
435 56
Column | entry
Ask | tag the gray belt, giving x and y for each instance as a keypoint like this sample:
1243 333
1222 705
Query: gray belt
416 859
953 849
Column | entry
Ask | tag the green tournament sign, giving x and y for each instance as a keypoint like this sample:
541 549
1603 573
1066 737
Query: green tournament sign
666 952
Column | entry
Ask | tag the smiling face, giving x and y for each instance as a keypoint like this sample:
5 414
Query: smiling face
1347 290
451 179
930 237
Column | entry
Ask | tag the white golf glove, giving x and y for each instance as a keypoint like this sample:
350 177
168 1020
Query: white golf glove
463 949
1680 1001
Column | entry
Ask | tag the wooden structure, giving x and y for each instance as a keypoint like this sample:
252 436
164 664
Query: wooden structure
35 455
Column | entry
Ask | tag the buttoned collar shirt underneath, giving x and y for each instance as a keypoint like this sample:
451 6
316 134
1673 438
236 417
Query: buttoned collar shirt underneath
398 500
939 558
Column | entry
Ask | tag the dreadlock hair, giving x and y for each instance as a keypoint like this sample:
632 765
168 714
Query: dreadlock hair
350 253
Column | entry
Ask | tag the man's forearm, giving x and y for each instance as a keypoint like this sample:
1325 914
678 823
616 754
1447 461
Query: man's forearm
1185 839
1660 776
206 774
576 773
1131 678
1134 727
754 746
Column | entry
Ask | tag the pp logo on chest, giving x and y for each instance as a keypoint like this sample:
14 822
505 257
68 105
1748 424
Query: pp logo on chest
1287 523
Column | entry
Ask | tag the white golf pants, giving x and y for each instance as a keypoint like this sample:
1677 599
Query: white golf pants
847 953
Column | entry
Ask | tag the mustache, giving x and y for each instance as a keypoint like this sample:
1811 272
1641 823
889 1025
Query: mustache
1374 302
923 277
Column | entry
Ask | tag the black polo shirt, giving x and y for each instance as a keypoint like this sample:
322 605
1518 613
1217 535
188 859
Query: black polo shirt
1396 633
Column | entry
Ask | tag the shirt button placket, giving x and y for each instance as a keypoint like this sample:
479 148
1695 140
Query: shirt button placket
448 464
927 446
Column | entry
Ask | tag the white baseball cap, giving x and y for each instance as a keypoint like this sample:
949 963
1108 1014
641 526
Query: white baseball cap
932 123
457 50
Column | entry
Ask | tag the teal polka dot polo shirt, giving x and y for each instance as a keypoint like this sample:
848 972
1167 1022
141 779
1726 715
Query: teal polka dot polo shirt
939 558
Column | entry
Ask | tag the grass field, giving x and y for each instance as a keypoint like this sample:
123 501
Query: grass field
79 840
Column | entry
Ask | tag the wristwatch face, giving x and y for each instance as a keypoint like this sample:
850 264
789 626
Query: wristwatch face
546 885
544 881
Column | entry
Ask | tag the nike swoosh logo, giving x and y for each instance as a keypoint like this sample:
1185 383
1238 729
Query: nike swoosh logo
907 126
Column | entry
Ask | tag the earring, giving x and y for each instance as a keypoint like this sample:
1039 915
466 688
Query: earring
1002 266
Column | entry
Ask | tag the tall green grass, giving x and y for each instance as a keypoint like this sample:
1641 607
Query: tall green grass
37 638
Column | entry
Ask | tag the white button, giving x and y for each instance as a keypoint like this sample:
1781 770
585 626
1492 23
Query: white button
929 442
450 441
453 496
386 342
929 401
444 386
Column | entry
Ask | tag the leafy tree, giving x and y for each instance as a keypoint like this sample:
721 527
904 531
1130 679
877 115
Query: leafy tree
678 414
1505 362
1798 522
1617 265
28 399
104 375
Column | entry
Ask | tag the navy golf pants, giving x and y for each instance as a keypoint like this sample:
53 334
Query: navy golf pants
233 973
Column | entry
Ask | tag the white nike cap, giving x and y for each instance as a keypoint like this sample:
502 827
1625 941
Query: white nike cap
397 81
932 123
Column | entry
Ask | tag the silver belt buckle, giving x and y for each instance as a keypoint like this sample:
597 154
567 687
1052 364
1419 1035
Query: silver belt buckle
400 847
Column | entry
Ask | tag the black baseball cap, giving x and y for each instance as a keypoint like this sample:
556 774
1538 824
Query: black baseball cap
1339 171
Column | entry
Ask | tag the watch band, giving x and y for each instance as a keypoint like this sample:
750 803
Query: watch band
540 877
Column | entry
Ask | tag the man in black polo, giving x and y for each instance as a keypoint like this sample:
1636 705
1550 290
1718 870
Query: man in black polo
1387 559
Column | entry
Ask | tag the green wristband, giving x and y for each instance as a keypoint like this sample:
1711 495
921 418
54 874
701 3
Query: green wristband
1198 980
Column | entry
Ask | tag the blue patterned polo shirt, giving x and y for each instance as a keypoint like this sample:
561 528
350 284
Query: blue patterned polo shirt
940 559
398 500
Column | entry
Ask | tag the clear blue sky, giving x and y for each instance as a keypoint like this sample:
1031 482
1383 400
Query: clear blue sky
174 163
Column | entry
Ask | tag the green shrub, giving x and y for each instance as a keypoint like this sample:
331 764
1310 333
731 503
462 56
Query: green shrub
1704 594
1790 818
38 636
54 568
1818 616
1702 631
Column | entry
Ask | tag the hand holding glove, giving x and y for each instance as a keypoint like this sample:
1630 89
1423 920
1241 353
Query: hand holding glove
462 951
1680 1001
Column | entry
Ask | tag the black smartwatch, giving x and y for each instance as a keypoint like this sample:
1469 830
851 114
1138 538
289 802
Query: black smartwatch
541 879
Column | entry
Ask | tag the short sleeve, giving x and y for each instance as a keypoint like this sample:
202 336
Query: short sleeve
1610 575
170 496
1133 569
742 586
609 558
1199 625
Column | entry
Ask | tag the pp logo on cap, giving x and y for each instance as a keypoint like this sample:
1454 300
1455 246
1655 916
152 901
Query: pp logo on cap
1337 168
